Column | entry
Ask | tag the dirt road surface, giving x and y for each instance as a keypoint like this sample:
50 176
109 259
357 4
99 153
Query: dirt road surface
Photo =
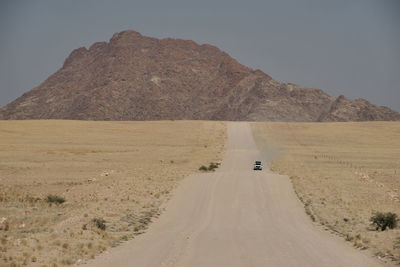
235 217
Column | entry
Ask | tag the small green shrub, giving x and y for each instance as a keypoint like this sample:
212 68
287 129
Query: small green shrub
212 166
383 220
55 199
99 223
203 168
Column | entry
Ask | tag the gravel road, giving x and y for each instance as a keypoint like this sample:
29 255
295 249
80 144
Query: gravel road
235 217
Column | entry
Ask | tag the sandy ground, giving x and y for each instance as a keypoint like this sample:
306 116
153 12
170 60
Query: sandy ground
119 172
235 217
343 173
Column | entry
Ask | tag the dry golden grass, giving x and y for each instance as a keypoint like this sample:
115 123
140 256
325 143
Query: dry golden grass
343 173
119 172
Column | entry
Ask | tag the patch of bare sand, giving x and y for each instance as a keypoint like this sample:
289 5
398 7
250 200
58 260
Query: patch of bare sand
121 172
343 173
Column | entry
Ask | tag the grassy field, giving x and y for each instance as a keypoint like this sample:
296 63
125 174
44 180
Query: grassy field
112 175
343 173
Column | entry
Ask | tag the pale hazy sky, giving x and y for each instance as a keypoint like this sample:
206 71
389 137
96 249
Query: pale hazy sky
349 47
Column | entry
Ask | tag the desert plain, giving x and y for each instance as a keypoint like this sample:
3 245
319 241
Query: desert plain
116 177
111 174
343 172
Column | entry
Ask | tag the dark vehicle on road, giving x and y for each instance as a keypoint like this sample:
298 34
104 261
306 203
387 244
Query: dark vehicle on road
257 166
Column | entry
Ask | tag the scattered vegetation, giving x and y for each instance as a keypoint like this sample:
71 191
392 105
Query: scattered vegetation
55 199
384 220
344 171
37 230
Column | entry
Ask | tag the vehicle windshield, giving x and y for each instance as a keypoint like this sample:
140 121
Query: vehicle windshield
257 163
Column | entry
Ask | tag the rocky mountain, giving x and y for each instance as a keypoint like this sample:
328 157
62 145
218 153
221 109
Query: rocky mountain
343 109
133 77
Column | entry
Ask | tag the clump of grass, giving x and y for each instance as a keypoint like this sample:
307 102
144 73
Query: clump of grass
30 199
396 244
213 166
358 244
210 167
349 237
5 226
203 168
384 220
99 223
55 199
67 261
308 210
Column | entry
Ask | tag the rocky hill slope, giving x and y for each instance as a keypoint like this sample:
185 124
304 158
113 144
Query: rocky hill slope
133 77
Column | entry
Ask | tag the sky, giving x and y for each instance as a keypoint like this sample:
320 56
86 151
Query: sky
345 47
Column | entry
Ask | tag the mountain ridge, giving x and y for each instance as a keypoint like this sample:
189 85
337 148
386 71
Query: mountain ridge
134 77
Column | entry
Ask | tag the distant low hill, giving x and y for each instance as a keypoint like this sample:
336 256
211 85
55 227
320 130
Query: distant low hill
133 77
